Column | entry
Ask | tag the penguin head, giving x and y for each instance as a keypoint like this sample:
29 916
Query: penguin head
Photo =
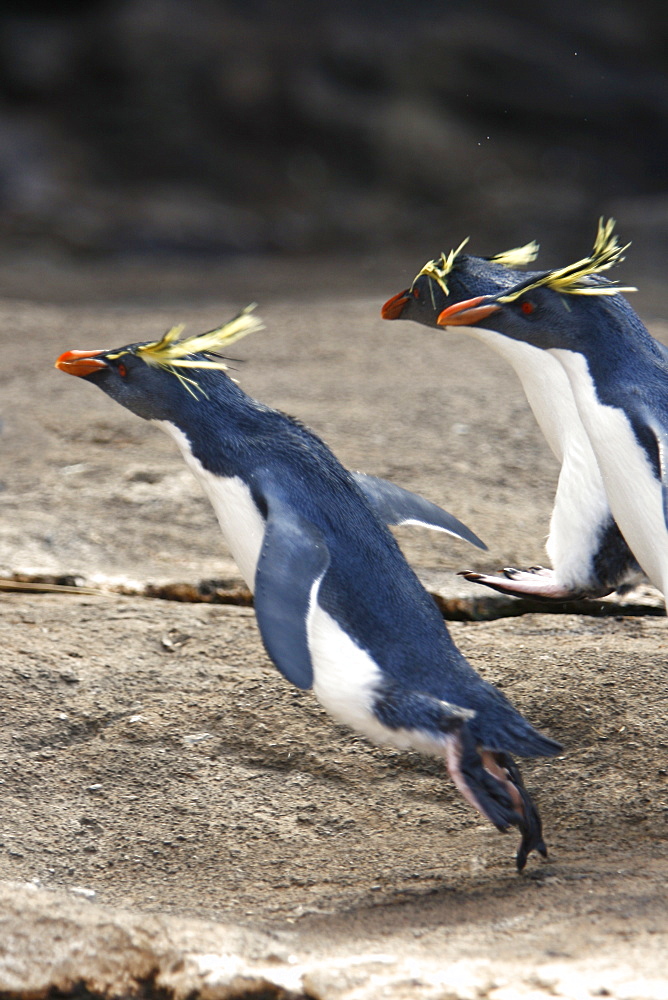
148 391
562 308
158 379
536 316
456 276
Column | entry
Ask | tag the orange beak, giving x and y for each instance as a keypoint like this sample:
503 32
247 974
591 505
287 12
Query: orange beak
80 362
467 313
394 307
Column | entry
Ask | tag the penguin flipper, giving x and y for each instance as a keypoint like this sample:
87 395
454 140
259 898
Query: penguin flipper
395 505
661 438
292 559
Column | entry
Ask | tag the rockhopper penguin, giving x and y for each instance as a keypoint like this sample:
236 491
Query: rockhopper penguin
589 556
618 375
338 607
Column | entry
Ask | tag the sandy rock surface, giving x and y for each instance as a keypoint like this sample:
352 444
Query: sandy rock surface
175 817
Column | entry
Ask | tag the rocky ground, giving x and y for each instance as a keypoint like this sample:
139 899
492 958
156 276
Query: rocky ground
175 818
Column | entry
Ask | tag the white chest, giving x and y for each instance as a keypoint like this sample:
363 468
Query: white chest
634 493
346 679
545 385
580 503
240 521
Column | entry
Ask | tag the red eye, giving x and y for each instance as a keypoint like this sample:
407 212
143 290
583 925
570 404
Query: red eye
415 293
122 370
527 308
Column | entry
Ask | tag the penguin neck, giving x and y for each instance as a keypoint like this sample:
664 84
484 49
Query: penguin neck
238 511
221 426
545 385
615 344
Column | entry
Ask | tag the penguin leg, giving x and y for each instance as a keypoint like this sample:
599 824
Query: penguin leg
492 783
537 582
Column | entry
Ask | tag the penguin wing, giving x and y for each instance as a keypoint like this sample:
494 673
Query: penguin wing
292 559
661 438
395 505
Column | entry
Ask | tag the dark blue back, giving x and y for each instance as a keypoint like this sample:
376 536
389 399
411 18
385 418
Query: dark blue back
369 588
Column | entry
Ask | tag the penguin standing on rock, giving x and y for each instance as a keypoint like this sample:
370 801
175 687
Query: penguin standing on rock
590 558
338 607
618 375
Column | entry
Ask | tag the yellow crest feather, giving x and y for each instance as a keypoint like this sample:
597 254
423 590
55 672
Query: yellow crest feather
172 353
438 270
574 279
518 256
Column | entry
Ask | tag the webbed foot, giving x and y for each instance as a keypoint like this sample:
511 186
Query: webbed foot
537 582
491 781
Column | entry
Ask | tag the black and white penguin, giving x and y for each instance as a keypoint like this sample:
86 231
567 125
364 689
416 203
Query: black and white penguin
618 374
589 556
338 607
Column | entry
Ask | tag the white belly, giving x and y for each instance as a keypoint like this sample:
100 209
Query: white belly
580 503
345 679
634 493
580 508
546 387
240 521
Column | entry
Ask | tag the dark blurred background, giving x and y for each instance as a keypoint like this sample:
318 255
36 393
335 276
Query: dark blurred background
213 128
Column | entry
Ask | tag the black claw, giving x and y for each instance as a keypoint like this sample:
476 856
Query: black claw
529 824
525 849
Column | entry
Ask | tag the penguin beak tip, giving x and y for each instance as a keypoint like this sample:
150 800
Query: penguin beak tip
467 313
394 307
80 362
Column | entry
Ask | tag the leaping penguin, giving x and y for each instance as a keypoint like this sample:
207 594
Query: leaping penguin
618 374
590 558
338 607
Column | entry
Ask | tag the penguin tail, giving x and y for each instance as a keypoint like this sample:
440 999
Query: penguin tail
500 727
528 742
491 781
